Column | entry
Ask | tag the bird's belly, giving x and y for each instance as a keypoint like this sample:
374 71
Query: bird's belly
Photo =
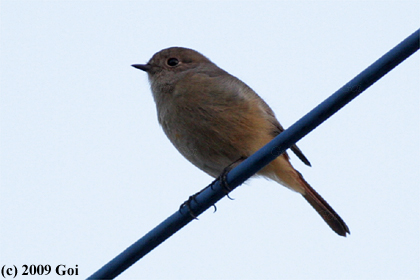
206 148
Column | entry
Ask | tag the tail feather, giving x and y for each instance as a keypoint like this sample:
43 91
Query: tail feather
325 211
283 172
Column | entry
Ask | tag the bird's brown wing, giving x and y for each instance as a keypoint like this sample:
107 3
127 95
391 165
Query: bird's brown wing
280 129
295 149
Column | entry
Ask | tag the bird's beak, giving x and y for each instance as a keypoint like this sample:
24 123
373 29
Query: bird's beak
144 67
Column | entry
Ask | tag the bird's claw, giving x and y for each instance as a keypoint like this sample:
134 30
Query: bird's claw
187 203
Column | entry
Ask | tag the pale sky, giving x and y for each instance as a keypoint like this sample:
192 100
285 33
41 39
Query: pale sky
86 170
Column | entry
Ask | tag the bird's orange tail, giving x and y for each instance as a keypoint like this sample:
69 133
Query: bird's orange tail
325 210
283 172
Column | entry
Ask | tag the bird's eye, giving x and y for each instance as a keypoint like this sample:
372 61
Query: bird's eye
172 61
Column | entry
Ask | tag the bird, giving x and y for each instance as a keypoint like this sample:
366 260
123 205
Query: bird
216 121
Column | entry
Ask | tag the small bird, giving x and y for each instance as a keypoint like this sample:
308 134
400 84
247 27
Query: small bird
215 121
